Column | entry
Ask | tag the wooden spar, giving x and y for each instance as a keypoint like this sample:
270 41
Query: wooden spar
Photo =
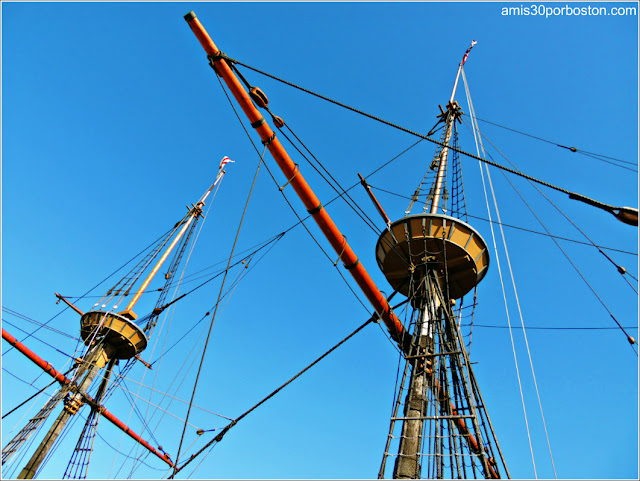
377 205
193 213
58 376
63 299
315 208
116 422
299 184
33 357
128 312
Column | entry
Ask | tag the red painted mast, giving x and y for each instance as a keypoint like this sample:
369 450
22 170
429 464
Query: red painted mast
299 184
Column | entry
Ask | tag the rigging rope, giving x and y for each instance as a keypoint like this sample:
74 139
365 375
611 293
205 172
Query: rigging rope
117 451
618 267
174 398
269 396
478 142
572 195
90 290
300 220
213 317
576 328
34 395
38 339
228 292
522 228
572 149
630 339
37 323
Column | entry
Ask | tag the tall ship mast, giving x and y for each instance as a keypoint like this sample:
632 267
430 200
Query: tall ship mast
110 337
176 364
434 259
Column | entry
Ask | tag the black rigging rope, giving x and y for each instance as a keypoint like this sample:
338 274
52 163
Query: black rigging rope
229 290
300 220
572 195
213 317
218 274
137 459
553 328
600 157
38 339
618 267
90 290
36 394
38 323
630 339
191 277
269 396
519 228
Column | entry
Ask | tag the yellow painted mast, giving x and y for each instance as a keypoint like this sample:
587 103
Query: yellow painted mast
194 212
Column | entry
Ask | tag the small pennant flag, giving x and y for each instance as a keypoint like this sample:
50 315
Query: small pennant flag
225 160
466 54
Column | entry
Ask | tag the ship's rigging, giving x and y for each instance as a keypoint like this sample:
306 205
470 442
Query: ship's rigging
283 184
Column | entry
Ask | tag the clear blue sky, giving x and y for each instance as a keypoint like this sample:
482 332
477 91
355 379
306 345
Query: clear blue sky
112 122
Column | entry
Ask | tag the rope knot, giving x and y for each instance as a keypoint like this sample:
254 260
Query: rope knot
269 140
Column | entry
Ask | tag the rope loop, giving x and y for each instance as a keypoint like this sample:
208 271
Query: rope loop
292 177
220 56
269 140
344 246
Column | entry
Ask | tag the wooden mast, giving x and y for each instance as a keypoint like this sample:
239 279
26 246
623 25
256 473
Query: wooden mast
194 212
110 337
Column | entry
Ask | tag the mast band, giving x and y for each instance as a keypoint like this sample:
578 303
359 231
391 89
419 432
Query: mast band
351 266
258 123
315 210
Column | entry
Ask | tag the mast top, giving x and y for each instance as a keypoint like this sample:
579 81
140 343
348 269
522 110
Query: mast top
464 59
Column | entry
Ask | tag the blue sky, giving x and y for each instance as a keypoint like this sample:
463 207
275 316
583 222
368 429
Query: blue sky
112 122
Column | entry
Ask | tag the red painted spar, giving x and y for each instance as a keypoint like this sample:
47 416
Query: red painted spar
320 215
58 376
33 357
312 203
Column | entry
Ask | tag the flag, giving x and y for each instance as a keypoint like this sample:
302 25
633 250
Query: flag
225 160
466 54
